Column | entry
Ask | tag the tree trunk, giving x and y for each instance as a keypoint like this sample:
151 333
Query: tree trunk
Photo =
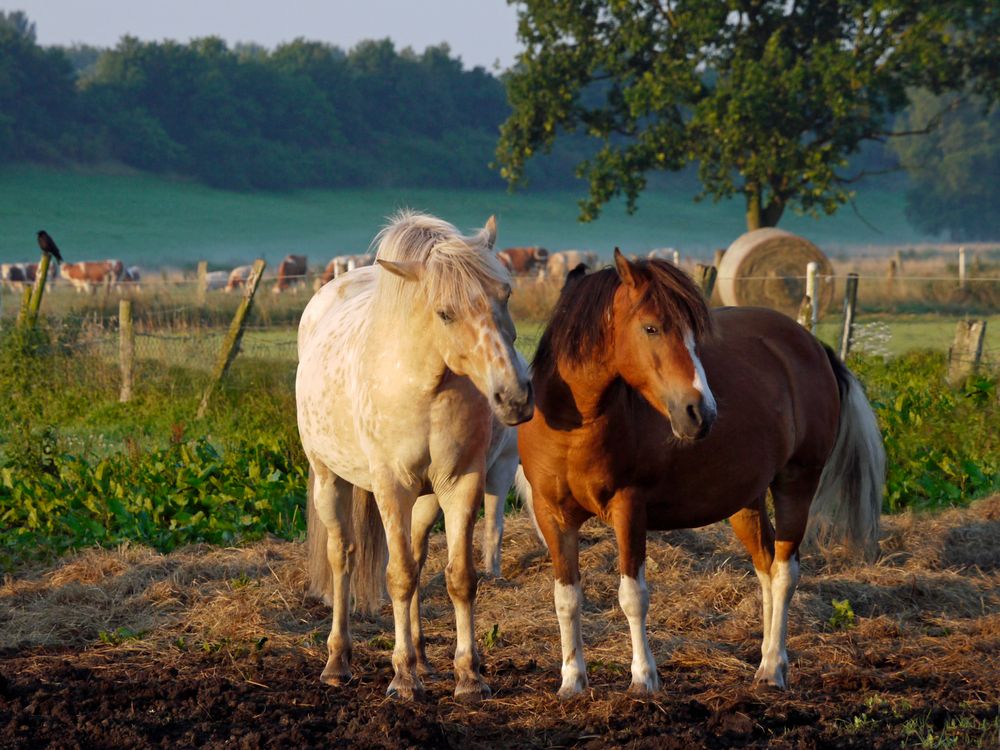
758 215
753 207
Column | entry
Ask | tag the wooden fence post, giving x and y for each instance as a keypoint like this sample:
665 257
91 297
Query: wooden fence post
202 282
22 313
961 268
965 353
850 302
677 258
38 289
706 279
126 349
231 344
812 269
805 316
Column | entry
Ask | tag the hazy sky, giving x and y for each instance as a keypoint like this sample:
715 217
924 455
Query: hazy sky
479 31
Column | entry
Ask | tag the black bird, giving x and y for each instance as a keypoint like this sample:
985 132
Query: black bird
48 245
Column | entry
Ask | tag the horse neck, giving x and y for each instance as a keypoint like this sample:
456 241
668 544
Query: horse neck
587 384
406 340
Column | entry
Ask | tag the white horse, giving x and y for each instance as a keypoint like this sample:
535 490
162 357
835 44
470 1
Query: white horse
402 368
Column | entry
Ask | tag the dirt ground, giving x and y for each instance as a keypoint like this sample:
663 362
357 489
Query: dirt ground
211 648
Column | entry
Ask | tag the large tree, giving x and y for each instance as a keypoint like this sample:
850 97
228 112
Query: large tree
955 170
767 97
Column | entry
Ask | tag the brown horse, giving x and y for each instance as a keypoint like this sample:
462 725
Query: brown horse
626 428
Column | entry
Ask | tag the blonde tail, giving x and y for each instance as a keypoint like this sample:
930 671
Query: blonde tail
848 501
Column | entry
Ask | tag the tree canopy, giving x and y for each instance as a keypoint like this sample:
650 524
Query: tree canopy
768 98
955 170
306 114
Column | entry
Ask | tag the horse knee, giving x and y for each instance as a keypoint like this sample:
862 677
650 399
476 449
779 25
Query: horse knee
401 578
461 581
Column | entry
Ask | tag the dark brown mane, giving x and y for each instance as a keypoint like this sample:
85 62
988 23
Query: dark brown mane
581 320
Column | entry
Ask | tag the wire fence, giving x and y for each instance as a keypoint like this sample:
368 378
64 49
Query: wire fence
177 326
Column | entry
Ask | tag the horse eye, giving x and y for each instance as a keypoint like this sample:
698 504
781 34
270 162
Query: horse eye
445 316
652 330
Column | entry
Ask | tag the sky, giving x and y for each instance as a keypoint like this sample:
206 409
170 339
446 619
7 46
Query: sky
480 32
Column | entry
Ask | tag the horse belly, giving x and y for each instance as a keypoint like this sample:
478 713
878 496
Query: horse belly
328 390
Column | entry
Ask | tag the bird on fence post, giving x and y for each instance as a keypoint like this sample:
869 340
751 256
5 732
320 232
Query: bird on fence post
48 245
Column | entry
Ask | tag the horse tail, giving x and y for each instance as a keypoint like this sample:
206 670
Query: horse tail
320 579
848 501
370 557
371 553
523 490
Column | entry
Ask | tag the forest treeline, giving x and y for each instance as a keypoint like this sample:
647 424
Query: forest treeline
309 114
305 114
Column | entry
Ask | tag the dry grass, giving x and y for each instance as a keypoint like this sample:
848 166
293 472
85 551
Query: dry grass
932 600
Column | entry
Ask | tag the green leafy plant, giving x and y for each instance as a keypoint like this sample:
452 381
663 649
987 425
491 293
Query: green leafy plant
843 617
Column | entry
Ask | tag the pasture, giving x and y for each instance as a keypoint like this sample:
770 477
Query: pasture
154 575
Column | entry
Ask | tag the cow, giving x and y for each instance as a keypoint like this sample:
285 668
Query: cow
216 280
132 276
15 275
291 273
665 253
524 260
88 275
344 263
560 264
238 277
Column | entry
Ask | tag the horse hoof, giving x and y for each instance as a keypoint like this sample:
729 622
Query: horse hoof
569 692
644 689
335 679
472 692
405 691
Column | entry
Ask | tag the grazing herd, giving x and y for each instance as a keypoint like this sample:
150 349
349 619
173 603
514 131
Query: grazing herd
292 274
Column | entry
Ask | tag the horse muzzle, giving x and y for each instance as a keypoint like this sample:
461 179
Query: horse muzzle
691 420
513 406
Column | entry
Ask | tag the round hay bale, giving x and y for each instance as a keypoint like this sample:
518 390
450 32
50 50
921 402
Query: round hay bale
767 268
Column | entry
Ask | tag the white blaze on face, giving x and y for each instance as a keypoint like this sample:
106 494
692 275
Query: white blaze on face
700 382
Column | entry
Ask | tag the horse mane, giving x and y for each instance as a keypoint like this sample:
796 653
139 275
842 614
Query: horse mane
581 321
457 268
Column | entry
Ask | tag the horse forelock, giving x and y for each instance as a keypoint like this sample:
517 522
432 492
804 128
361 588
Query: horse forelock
458 271
582 321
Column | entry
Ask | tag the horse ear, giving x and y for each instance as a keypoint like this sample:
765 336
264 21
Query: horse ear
490 230
407 269
624 269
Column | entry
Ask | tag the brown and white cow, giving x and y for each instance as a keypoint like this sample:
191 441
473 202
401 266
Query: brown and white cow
88 275
291 273
521 261
344 263
561 263
15 275
238 277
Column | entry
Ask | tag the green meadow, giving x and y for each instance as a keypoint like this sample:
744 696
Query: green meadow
152 222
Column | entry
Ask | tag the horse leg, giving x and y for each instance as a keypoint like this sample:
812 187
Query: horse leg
395 505
753 528
633 594
792 492
425 514
332 501
499 479
460 503
564 546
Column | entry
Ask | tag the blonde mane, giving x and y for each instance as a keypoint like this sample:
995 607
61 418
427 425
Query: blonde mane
457 270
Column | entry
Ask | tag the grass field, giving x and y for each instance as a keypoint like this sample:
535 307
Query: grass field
151 221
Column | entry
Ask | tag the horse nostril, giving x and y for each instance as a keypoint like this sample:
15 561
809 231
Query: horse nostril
497 398
694 414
